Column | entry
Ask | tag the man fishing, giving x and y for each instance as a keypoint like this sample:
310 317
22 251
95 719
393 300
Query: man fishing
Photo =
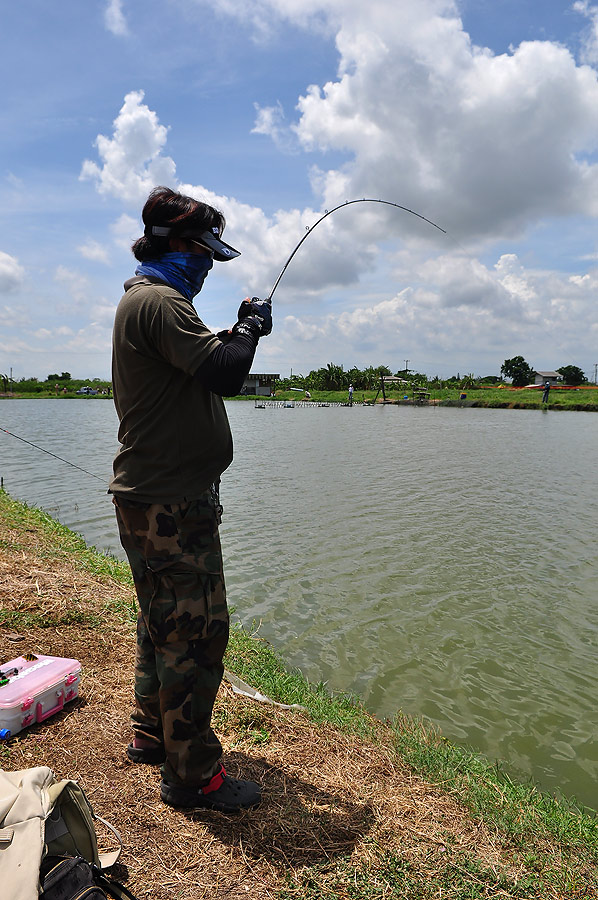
170 373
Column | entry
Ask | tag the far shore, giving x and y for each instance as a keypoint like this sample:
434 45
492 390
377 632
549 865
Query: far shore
579 399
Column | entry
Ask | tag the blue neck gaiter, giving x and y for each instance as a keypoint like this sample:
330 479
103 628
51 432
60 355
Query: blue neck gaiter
185 272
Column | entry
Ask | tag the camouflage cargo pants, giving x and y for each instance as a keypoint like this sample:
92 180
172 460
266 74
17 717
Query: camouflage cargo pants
182 629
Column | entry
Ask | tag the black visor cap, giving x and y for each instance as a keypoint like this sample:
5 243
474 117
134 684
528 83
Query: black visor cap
222 252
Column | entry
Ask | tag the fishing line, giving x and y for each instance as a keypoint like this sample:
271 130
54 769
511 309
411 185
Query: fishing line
329 212
37 447
412 212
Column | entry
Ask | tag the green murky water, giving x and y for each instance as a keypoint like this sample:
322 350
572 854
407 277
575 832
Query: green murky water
438 561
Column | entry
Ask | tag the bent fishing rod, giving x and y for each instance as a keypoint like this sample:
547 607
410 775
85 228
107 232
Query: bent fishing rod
328 212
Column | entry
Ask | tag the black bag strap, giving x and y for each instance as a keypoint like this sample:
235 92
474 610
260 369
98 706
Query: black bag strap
55 867
113 888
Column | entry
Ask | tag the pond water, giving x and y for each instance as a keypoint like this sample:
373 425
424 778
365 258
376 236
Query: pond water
438 561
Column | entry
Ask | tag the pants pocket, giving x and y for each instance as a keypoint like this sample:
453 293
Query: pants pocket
186 606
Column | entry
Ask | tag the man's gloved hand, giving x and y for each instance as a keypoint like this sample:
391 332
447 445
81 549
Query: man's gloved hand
260 311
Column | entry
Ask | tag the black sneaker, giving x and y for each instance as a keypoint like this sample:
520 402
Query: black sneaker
222 793
151 756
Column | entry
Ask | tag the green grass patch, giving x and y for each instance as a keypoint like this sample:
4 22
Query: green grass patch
443 874
257 663
544 830
59 542
584 399
23 619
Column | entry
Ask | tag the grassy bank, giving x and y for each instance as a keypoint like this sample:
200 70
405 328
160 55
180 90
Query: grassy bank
353 808
493 398
585 399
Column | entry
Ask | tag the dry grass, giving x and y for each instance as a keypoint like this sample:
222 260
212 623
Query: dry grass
327 796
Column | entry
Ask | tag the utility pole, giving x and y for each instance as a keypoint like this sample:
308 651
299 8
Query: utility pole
406 366
595 373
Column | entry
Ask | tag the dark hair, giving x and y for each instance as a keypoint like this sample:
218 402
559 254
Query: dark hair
183 215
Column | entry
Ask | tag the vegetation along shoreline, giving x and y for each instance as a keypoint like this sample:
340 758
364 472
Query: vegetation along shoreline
353 807
578 399
569 390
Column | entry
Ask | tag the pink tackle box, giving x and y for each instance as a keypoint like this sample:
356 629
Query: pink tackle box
33 688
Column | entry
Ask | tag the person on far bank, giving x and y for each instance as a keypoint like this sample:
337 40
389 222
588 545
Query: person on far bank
169 375
546 392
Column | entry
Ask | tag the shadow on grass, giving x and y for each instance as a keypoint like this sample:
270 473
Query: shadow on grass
298 823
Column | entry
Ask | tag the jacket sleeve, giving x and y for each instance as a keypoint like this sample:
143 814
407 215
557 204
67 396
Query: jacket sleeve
227 366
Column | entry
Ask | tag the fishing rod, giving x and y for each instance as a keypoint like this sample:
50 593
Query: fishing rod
329 212
37 447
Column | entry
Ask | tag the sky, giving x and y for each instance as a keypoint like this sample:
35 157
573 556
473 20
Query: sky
480 115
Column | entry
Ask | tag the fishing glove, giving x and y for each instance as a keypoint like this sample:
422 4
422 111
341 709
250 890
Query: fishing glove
257 311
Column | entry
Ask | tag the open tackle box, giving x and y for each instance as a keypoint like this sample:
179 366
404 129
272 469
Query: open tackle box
33 688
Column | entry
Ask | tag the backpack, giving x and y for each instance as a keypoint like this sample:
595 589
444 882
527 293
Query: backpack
73 878
48 841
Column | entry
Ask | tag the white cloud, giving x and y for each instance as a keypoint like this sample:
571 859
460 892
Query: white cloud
131 159
76 285
125 230
264 16
482 143
94 250
548 317
589 48
114 18
92 338
103 314
486 145
12 273
270 121
12 318
16 346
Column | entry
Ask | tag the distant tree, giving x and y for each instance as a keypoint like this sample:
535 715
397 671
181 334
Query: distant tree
370 377
490 379
572 375
66 376
334 378
517 370
355 377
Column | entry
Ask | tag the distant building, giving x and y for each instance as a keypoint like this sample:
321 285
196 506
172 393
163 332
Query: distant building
550 377
261 385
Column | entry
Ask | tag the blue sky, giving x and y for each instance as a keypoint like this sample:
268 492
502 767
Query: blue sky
481 115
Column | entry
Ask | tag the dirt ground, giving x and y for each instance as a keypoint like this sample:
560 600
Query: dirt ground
327 797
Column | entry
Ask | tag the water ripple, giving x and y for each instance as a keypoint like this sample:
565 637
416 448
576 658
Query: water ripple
436 561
